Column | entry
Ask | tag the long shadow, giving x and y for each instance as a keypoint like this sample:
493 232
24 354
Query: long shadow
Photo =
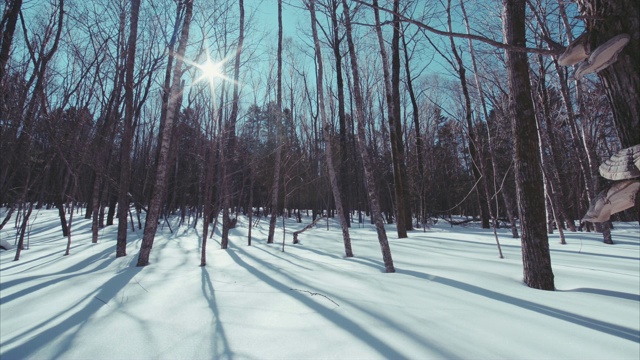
74 320
378 344
598 325
552 250
611 293
209 294
280 257
68 273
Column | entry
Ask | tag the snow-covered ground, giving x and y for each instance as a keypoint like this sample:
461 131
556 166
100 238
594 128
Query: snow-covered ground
451 297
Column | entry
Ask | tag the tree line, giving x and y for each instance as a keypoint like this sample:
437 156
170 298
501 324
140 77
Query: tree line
403 111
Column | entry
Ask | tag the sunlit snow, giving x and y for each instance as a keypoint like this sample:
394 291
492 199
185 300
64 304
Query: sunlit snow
451 297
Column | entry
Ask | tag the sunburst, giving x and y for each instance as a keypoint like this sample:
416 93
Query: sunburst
210 71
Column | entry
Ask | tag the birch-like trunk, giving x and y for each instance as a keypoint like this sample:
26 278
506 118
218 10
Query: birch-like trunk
157 198
333 177
376 215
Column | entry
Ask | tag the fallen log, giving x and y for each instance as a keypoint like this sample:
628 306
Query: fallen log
295 233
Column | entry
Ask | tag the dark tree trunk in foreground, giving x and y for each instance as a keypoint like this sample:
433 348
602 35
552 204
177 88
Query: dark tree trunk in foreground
529 182
605 19
127 133
157 198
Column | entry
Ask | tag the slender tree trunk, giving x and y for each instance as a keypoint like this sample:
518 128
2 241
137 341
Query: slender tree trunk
392 85
476 158
127 134
376 214
230 135
155 205
416 125
344 147
23 230
333 177
535 243
278 163
8 216
68 249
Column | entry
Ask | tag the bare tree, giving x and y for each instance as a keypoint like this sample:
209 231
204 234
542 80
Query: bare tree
333 177
278 164
127 134
155 205
376 214
529 183
392 91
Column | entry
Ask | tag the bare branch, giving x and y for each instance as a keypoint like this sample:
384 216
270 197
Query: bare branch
462 36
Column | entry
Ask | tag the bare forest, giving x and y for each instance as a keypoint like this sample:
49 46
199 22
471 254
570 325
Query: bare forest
131 112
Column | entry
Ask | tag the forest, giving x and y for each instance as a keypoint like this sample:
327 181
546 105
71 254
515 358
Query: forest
401 112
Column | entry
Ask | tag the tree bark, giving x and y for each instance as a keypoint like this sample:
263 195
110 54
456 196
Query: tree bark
392 91
342 118
333 177
535 243
127 134
376 215
155 205
605 19
7 35
278 163
23 229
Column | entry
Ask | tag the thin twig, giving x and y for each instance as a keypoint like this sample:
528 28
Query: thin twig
314 294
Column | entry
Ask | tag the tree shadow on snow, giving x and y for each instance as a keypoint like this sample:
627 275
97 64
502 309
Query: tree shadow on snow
75 319
343 322
598 325
603 292
220 343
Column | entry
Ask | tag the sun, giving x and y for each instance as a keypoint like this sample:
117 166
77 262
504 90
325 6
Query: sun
211 70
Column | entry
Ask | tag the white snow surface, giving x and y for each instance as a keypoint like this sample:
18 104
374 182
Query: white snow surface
451 297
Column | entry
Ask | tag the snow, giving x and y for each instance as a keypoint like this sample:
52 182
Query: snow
451 297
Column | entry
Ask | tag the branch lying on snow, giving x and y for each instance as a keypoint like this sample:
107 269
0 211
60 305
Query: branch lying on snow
314 294
295 234
456 222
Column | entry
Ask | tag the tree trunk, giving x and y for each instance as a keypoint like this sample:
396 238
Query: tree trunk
276 174
23 229
392 91
342 117
7 34
155 205
333 177
127 134
535 243
476 158
376 215
605 19
63 218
